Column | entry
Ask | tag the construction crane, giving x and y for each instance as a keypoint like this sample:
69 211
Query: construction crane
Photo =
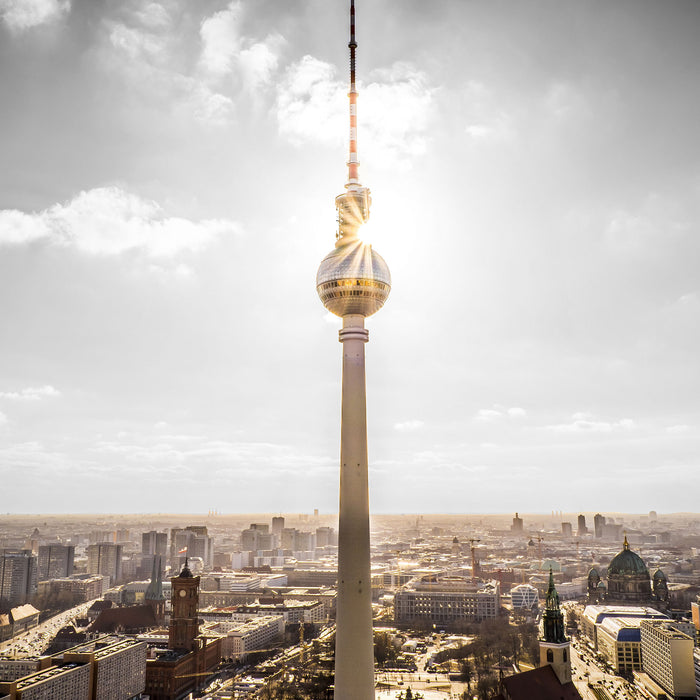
471 541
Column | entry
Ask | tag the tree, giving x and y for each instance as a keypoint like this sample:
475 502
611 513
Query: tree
486 687
467 673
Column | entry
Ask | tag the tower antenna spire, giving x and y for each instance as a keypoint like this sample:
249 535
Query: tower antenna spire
353 163
353 205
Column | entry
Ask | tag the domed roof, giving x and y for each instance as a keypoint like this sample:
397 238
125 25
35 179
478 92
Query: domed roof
593 574
659 575
627 562
601 585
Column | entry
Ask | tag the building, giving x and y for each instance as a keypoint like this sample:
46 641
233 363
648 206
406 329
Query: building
69 681
582 529
667 656
18 577
153 543
567 530
598 522
118 667
552 679
81 588
174 672
594 616
628 582
447 604
353 282
277 525
245 633
524 596
517 526
105 559
55 561
191 542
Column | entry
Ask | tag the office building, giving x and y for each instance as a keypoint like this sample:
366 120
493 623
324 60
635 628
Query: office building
667 656
153 543
582 529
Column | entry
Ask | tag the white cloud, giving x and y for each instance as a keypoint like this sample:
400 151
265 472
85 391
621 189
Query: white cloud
312 106
31 393
488 414
220 40
409 426
497 412
225 49
110 221
585 423
677 429
20 15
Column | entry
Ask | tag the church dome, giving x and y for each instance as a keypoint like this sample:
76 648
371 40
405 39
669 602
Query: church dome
659 575
627 562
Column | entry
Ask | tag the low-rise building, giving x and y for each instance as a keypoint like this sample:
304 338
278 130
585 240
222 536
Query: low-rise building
247 633
65 682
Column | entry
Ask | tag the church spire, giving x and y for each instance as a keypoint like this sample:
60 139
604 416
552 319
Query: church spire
553 618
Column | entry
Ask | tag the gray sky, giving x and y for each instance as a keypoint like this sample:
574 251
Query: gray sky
167 179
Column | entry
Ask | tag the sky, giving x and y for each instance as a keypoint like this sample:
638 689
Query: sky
167 180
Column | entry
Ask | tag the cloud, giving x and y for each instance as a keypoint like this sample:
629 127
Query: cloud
585 423
497 412
111 221
312 106
31 393
225 49
409 426
21 15
220 40
3 418
677 429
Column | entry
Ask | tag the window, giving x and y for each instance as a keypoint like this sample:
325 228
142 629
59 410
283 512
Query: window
550 655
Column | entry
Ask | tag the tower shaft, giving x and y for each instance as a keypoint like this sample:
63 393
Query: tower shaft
354 643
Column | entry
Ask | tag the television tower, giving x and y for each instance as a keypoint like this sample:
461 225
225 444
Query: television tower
353 282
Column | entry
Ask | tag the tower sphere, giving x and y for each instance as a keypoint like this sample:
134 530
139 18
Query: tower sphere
353 279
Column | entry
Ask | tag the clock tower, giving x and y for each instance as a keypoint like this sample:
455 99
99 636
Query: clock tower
184 622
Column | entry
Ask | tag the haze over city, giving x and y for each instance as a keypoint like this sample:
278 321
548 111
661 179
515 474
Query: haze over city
167 193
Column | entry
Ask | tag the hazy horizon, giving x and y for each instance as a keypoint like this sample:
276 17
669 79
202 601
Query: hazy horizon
167 193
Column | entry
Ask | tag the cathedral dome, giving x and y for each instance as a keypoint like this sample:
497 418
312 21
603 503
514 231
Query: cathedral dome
659 575
627 562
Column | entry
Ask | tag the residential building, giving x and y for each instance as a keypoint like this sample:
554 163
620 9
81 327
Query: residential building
105 559
18 576
55 561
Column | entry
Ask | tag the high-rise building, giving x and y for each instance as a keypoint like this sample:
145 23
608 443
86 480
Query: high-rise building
18 576
55 561
598 523
277 525
154 543
353 282
517 526
105 559
582 529
566 529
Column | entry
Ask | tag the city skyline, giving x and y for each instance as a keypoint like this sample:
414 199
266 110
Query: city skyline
167 187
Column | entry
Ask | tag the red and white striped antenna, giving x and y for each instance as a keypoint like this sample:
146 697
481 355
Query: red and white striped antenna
353 205
353 163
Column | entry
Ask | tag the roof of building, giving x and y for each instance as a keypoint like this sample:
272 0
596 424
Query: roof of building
135 617
541 683
627 562
21 612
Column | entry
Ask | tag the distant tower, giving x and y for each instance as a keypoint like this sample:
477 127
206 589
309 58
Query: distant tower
353 282
582 529
554 646
184 623
517 526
